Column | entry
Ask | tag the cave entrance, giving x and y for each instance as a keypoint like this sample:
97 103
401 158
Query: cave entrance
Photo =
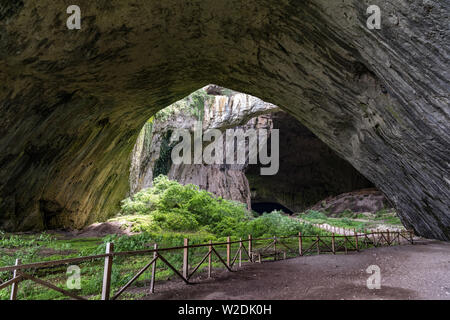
266 207
309 171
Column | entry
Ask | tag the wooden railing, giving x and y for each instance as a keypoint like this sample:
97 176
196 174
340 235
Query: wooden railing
276 245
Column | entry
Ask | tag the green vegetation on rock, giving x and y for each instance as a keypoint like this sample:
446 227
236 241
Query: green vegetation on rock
193 104
352 220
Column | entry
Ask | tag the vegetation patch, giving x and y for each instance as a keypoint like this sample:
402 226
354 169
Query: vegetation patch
165 214
351 220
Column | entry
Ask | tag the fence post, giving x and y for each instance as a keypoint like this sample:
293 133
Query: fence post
275 248
345 242
318 246
228 251
250 248
210 259
300 244
186 258
106 288
373 239
356 239
411 236
365 238
15 285
333 247
152 281
240 252
388 238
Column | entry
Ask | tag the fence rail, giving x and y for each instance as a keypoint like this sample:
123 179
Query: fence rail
247 251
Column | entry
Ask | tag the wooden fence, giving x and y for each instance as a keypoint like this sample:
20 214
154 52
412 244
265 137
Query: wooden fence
271 249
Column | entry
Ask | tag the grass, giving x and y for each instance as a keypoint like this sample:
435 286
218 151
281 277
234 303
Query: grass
29 248
164 214
351 220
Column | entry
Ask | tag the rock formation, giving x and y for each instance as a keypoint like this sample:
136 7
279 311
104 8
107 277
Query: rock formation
72 102
151 154
366 200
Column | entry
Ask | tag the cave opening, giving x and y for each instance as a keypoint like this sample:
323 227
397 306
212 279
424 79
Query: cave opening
267 207
309 171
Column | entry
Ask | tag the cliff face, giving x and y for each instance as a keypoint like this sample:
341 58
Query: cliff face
72 102
218 111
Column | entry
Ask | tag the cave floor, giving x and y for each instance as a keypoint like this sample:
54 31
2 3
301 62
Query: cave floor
420 271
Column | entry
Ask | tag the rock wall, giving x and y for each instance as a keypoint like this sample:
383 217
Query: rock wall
359 201
72 102
219 111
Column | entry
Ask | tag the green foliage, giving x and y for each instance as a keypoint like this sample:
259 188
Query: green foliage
270 224
172 207
348 214
315 214
193 104
16 241
175 207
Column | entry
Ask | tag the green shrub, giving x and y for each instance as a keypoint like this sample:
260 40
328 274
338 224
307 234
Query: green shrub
312 214
172 207
347 213
176 207
271 224
175 220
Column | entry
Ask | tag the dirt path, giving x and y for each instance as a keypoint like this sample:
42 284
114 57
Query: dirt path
420 271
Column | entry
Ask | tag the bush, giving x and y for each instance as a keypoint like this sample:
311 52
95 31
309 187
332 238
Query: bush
172 207
176 207
175 220
270 224
312 214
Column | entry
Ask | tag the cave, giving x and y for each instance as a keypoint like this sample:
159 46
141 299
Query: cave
72 102
309 171
266 207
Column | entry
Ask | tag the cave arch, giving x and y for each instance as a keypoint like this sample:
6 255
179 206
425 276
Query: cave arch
266 207
72 102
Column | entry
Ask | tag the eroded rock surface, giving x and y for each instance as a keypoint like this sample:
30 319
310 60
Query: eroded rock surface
72 102
366 200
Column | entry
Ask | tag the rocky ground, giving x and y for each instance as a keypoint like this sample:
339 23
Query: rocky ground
420 271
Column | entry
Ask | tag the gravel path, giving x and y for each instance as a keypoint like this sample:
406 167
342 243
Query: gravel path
420 271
